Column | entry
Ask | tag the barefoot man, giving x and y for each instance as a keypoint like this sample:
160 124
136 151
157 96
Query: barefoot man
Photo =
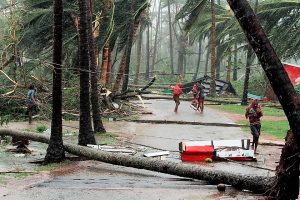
254 113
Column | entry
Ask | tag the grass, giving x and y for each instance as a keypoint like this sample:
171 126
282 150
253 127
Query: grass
41 128
239 109
51 166
107 138
277 129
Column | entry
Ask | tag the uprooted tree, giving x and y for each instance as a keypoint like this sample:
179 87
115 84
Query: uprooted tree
287 96
287 182
258 184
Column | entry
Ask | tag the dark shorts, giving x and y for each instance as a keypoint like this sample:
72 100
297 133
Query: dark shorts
30 107
176 99
255 131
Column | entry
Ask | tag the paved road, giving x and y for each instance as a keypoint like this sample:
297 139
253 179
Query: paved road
96 180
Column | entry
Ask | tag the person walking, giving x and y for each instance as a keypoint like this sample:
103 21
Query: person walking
200 95
177 91
254 113
31 102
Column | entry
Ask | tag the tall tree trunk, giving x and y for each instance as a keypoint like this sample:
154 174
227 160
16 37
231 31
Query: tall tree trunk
120 71
229 66
199 59
213 50
234 75
281 85
104 67
13 28
147 54
109 68
218 59
55 151
207 59
247 75
171 37
97 121
139 56
156 36
86 135
219 54
182 54
134 27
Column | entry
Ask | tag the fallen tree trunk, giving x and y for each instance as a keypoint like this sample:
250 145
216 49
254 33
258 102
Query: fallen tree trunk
191 98
185 122
257 184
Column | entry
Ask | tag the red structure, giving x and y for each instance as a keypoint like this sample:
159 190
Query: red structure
293 72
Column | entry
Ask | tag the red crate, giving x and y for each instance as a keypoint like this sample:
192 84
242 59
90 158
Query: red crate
197 153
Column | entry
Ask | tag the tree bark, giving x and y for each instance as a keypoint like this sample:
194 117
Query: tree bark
171 37
104 67
207 59
120 71
182 54
86 135
55 150
247 75
274 70
228 75
234 75
185 123
147 53
257 184
138 55
287 175
109 68
134 27
156 36
97 121
199 59
213 50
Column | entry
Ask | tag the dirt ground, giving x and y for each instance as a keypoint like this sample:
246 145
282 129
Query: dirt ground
91 179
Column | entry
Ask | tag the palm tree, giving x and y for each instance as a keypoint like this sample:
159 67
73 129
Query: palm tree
86 135
126 26
248 67
55 150
287 184
138 55
171 37
97 121
213 50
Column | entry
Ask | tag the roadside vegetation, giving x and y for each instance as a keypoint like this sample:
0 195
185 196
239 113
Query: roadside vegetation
275 127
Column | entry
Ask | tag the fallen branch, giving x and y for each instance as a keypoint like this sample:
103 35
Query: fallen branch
185 123
134 93
258 184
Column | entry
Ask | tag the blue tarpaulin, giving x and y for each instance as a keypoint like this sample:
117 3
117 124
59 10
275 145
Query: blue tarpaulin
253 96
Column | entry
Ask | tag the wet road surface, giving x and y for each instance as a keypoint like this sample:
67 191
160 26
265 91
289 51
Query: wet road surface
97 180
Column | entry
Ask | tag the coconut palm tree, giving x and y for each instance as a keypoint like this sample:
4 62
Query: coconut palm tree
55 150
287 184
86 134
126 25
